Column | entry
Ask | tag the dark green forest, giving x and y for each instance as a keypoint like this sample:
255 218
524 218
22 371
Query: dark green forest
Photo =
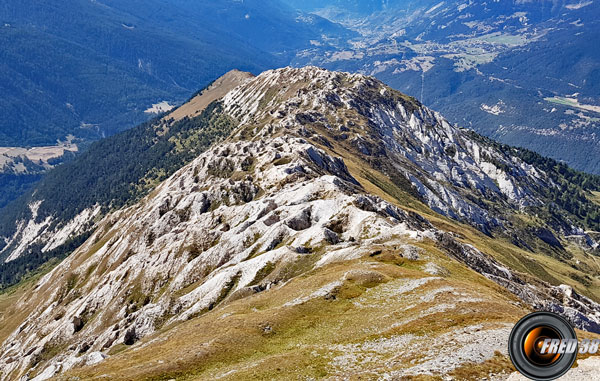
14 271
12 186
91 68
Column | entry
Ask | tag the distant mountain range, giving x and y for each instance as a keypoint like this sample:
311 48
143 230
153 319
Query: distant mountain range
526 73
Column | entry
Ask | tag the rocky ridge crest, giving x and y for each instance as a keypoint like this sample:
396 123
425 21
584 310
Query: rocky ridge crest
272 202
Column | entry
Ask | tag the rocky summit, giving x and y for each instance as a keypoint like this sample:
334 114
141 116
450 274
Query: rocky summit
341 230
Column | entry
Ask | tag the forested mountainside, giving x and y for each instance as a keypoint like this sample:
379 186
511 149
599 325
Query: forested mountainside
525 73
91 68
14 185
335 214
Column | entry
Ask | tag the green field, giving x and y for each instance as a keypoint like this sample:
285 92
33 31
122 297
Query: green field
572 103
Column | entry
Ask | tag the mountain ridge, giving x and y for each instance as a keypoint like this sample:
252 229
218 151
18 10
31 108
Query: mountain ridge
328 175
489 172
